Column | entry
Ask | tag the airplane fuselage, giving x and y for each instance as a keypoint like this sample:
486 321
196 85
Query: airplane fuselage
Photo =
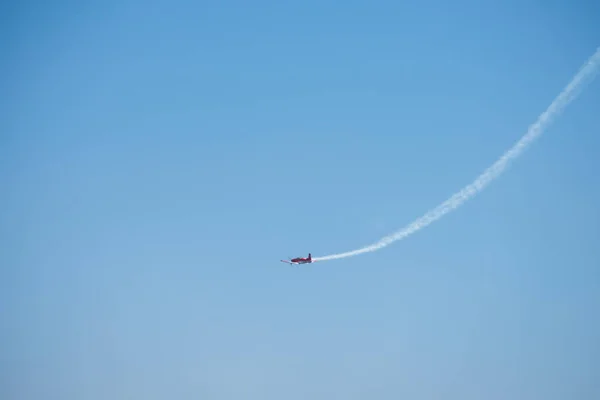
299 260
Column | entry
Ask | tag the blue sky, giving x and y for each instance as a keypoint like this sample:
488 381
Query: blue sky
159 158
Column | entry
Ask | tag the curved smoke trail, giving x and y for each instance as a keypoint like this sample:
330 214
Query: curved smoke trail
569 93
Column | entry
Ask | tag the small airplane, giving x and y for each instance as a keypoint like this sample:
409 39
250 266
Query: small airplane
299 260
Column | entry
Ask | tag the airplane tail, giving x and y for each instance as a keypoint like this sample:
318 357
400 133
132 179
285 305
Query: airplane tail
309 257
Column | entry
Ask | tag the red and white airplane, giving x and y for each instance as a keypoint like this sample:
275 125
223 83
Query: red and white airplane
299 260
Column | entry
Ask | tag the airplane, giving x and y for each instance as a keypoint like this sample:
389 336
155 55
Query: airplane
299 260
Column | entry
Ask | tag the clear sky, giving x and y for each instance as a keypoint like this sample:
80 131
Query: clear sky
158 159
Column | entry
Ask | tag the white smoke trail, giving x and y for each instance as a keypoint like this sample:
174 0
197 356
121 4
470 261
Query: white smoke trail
569 93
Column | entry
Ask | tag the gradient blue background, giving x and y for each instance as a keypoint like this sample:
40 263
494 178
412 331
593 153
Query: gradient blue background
158 159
